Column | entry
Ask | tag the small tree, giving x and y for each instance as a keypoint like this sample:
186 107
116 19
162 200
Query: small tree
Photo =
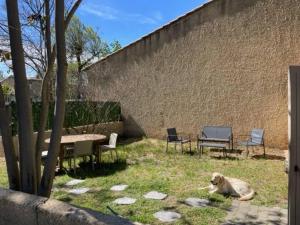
115 46
27 177
83 44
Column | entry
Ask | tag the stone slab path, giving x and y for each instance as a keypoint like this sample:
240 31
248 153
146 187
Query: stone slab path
197 202
120 187
78 191
125 201
167 216
155 195
74 182
243 213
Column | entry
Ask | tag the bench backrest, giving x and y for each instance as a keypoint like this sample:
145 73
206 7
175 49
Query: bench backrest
217 132
257 135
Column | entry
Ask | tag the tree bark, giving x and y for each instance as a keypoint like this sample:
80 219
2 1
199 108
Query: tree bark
24 110
45 98
79 82
47 82
9 151
49 170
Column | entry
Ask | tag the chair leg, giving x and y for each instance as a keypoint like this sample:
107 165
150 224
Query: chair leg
181 148
117 155
167 146
74 160
264 150
247 150
100 156
69 163
91 159
111 155
175 146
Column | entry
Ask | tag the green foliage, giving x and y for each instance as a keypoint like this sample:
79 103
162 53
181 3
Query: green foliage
7 90
84 43
78 113
115 46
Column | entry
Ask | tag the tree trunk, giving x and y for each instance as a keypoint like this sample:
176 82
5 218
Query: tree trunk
24 109
46 93
45 98
49 170
9 151
79 82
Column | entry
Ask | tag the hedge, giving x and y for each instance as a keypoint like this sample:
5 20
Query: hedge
78 113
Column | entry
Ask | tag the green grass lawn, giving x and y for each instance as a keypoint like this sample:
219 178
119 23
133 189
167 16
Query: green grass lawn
145 166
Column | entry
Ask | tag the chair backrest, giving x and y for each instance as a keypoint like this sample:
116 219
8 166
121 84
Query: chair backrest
257 135
113 140
218 132
172 134
83 148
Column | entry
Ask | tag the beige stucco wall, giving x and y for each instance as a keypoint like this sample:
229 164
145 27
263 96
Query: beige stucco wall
224 64
18 208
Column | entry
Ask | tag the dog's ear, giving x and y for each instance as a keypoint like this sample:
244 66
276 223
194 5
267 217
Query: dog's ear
222 178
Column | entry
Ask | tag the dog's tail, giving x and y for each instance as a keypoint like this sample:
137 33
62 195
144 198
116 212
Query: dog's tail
248 196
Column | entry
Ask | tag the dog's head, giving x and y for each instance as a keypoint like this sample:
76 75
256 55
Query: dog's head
217 179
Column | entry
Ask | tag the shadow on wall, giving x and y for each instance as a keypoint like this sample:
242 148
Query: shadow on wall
132 128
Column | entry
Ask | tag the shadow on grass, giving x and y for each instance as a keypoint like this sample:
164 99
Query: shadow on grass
127 141
104 169
269 157
228 157
67 199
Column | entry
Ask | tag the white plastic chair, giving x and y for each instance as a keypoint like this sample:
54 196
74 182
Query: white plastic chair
82 149
112 146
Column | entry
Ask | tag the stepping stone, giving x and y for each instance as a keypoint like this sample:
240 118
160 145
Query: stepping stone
155 195
120 187
197 202
125 201
167 216
74 182
78 191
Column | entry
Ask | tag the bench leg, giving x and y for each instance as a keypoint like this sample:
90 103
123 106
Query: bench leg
181 148
199 150
247 151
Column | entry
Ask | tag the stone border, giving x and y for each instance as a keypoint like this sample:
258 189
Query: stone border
23 209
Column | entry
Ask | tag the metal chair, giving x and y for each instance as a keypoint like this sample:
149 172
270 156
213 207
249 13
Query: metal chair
174 138
112 146
256 138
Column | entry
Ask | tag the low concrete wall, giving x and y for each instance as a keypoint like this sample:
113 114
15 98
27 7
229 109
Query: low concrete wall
102 128
17 208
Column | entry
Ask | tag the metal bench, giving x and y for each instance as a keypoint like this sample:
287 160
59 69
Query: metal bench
215 137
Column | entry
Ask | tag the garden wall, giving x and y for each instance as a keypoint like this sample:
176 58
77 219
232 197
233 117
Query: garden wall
18 208
225 63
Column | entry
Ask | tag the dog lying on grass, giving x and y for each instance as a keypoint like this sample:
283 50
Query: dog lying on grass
231 186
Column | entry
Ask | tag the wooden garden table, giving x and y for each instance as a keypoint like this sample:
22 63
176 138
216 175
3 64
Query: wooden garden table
71 139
